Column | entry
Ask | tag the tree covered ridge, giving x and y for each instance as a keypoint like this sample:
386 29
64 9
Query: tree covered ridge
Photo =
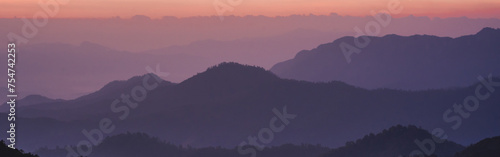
489 147
395 141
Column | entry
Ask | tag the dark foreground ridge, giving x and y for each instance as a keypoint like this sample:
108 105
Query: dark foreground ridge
5 151
390 142
489 147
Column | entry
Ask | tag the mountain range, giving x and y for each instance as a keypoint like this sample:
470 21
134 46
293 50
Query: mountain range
71 51
230 102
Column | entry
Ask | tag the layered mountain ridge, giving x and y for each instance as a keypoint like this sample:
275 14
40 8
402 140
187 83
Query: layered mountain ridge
230 101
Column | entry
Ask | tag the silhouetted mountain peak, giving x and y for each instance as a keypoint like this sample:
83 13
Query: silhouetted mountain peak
232 65
229 72
34 99
133 80
117 86
120 83
29 101
406 130
489 32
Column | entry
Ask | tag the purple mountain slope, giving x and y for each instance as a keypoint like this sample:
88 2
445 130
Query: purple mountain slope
413 63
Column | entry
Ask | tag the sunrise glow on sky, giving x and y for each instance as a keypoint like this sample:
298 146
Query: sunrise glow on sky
186 8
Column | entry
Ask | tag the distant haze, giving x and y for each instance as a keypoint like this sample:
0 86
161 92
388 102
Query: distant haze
142 34
82 55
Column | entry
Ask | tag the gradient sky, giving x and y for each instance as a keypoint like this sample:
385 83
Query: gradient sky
185 8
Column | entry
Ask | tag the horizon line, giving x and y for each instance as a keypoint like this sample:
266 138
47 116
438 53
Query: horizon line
146 17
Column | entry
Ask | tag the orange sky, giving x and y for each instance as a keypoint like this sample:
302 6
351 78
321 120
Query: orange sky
184 8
